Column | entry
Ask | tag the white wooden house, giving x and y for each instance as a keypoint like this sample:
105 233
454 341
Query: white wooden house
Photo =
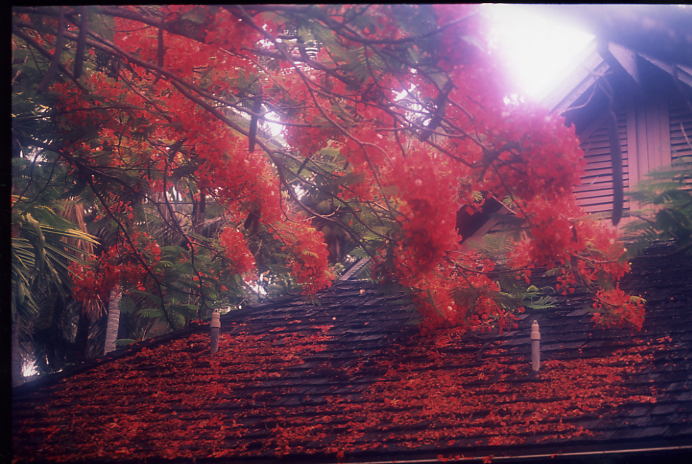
652 102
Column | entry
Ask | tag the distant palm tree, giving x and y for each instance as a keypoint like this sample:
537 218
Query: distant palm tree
44 244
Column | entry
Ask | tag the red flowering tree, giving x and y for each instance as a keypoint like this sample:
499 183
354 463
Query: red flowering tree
222 142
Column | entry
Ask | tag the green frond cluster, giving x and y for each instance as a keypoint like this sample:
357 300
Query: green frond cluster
665 209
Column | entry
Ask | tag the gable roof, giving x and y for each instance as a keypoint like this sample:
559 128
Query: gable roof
611 58
659 30
630 38
349 375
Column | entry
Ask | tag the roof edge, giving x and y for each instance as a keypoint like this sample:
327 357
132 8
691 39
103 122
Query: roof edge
54 377
194 327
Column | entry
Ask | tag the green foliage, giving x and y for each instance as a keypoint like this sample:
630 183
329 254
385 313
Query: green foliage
512 297
51 328
40 251
535 298
665 209
341 220
43 245
515 295
122 342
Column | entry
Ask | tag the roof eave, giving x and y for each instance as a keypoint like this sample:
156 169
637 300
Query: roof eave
581 79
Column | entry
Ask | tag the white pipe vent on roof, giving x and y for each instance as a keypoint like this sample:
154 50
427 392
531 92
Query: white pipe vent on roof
535 346
214 329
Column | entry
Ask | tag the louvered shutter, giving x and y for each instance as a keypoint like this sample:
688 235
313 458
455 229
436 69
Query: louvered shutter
595 194
681 137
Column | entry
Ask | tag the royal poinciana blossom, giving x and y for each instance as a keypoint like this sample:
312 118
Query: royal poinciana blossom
390 117
122 262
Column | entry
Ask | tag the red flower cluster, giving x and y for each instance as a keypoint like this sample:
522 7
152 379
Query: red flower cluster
615 308
118 264
419 142
236 250
309 256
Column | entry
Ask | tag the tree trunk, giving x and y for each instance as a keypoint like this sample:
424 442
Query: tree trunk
82 339
17 375
113 322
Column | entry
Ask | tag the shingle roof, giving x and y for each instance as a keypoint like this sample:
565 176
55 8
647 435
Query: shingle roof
348 374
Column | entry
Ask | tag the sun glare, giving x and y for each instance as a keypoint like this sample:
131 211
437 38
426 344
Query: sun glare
537 49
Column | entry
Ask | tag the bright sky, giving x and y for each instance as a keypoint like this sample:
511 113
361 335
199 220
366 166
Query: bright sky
538 50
